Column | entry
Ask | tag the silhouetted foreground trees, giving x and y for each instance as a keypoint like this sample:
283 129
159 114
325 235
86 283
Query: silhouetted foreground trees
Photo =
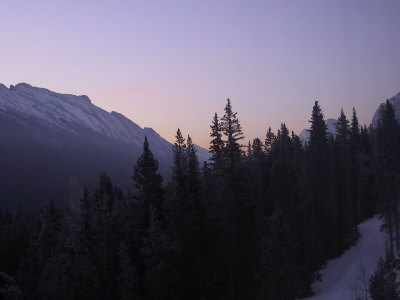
255 224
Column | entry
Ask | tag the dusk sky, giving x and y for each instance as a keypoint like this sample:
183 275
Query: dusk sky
170 64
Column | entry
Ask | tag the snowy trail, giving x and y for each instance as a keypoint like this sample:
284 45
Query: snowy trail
340 274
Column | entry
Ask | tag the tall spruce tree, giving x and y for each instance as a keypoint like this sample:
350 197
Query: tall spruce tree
282 172
148 190
216 145
387 164
317 154
159 253
177 201
180 160
355 157
354 128
127 277
322 177
257 149
232 130
148 193
239 211
343 176
366 174
318 133
383 284
269 140
277 273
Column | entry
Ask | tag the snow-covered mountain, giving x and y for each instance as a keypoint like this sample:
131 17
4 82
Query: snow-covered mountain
46 138
64 112
395 101
330 124
60 111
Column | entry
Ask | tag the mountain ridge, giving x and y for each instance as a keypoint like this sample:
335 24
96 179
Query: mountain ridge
47 139
112 124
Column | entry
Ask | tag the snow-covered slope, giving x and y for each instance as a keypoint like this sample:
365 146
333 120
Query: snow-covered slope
330 124
341 278
64 112
395 101
47 139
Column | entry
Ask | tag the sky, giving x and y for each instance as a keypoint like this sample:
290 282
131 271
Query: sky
170 64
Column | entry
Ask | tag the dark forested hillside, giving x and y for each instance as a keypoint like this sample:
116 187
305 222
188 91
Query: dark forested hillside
250 223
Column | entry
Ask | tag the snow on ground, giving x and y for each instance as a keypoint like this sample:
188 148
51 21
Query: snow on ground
341 276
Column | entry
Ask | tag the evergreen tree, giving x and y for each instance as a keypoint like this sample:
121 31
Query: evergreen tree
159 252
43 243
195 244
278 275
180 160
321 159
106 236
354 128
343 176
342 128
387 164
148 194
193 177
104 195
8 287
249 153
318 133
186 212
239 211
127 277
282 172
383 284
257 149
355 157
14 239
148 191
269 140
47 236
177 201
233 134
216 145
366 174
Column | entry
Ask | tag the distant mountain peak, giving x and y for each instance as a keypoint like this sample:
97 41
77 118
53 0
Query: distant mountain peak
85 98
23 84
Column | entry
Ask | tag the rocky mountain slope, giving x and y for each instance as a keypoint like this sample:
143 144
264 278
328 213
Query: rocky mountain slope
47 139
395 101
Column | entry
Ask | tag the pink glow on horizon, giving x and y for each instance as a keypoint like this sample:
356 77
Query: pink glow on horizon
173 64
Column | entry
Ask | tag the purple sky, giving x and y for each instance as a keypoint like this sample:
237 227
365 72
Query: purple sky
169 64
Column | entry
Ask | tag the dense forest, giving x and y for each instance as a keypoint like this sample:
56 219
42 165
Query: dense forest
250 223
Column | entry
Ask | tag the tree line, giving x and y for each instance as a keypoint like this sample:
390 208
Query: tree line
255 223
